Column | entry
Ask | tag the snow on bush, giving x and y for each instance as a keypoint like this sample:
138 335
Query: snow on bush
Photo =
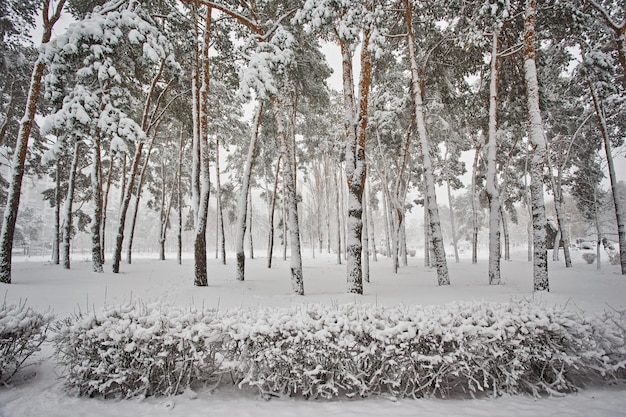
321 351
136 350
22 331
423 351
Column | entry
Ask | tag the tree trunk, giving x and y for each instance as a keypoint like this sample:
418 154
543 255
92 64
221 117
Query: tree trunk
619 213
493 193
119 238
475 225
105 203
537 140
355 126
287 143
443 277
220 241
370 218
366 246
562 234
455 243
242 207
68 208
250 219
57 216
505 232
338 210
179 196
270 245
202 182
21 147
96 184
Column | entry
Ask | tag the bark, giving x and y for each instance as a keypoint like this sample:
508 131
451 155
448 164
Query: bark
96 184
179 196
366 246
105 203
250 219
355 125
338 217
220 241
287 144
443 277
455 245
619 213
505 232
201 186
21 146
562 234
119 238
370 218
270 245
537 140
68 209
57 217
242 207
475 225
492 189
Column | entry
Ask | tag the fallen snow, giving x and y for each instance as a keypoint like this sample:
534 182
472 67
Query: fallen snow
37 391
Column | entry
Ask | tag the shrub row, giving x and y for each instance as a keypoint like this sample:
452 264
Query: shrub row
353 350
22 331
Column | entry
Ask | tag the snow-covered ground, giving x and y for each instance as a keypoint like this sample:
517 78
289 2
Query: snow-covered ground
37 391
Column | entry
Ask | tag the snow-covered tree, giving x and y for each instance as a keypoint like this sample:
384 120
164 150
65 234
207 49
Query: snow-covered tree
50 14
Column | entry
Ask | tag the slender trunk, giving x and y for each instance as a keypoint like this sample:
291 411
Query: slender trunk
596 217
338 217
179 196
21 147
403 248
57 216
200 254
68 208
475 225
427 247
443 277
455 244
284 217
619 213
370 218
250 238
388 227
220 242
366 246
492 189
242 207
162 216
555 245
562 234
287 147
537 139
270 245
96 184
327 201
105 203
505 232
119 238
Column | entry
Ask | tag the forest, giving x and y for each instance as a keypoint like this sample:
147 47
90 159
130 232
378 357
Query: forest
199 116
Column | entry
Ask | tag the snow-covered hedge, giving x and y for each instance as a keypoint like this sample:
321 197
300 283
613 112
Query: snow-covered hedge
321 351
136 350
22 331
422 351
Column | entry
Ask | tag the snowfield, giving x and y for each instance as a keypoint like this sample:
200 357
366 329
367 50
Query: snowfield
37 390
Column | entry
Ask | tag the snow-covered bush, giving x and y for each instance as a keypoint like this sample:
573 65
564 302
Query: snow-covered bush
22 331
136 350
415 352
589 257
321 351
